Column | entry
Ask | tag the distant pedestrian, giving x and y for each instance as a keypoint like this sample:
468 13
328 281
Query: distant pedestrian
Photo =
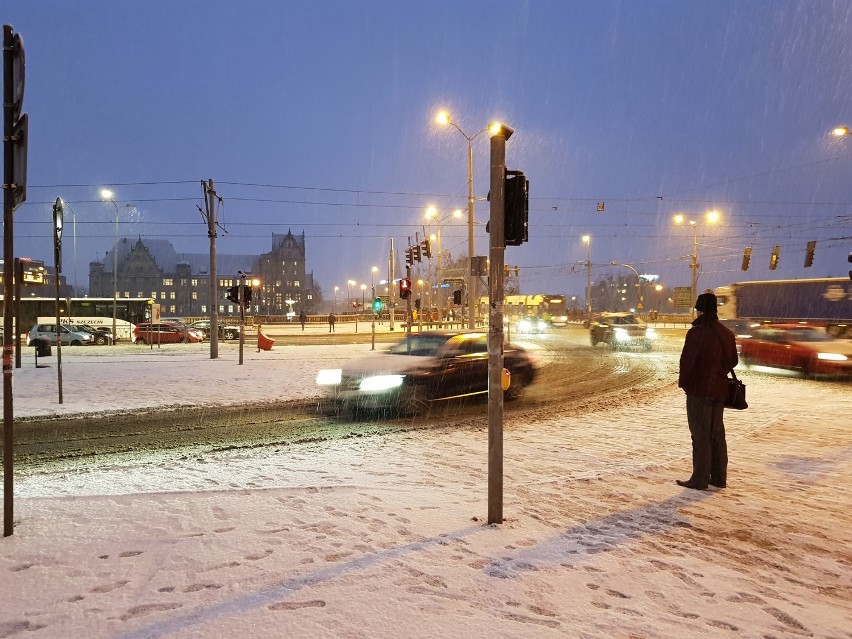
709 352
302 319
330 322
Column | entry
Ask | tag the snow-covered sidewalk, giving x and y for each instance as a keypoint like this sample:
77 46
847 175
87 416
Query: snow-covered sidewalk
385 536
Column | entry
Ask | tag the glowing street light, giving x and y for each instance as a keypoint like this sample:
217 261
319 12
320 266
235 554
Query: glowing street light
432 214
711 217
109 196
443 118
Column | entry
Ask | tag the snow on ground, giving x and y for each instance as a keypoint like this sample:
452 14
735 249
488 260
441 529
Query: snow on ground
381 537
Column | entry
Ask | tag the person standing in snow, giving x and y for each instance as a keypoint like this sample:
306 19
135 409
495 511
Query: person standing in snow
709 352
330 322
302 319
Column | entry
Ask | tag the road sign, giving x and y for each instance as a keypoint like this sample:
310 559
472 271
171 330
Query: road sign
682 296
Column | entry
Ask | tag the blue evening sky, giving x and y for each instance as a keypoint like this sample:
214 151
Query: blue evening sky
318 117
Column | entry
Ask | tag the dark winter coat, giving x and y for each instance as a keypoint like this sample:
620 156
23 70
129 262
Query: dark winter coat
709 352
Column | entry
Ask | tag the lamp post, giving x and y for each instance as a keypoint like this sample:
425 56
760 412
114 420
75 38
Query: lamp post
373 272
587 240
638 281
443 118
711 217
432 214
334 308
349 285
363 301
109 196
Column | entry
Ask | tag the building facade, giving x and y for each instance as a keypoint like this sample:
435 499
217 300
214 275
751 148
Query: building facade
180 282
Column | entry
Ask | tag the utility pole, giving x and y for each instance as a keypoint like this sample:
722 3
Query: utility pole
242 303
210 217
391 268
496 296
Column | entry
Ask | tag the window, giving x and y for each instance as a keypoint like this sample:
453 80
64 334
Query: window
167 281
194 282
172 308
296 283
204 308
153 295
195 295
171 295
163 295
183 281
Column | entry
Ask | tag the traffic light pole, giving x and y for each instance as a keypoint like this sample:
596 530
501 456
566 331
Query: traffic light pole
373 326
495 328
242 314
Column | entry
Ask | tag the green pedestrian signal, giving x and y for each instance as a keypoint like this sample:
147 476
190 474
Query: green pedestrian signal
378 305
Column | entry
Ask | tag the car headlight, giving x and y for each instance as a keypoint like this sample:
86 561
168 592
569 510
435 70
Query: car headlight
650 333
832 357
621 335
524 325
380 382
329 377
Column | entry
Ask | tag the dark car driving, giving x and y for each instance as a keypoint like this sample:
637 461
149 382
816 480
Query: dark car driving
622 331
421 369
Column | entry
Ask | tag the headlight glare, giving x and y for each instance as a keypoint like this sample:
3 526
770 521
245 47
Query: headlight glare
381 382
832 357
328 377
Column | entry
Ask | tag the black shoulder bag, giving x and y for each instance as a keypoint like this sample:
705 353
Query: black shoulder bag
736 398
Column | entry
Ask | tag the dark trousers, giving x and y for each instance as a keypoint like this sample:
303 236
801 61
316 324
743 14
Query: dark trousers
709 448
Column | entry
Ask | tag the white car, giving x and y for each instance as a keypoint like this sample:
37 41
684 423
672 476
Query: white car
67 337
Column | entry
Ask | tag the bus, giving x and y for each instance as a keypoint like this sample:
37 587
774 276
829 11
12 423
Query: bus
550 308
86 310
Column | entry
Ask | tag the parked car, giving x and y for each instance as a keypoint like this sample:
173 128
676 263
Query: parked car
622 331
809 349
67 337
421 369
166 333
101 335
225 331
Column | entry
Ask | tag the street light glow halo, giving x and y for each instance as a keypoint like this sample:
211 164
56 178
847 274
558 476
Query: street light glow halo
106 194
840 131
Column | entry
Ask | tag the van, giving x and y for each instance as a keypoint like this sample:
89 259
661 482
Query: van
123 328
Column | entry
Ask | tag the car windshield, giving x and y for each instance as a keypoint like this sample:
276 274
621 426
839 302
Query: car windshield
423 345
622 320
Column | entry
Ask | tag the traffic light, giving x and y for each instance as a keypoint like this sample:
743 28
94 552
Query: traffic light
246 295
746 257
404 288
457 298
427 248
409 257
773 259
415 253
234 294
850 261
809 255
378 305
515 208
417 303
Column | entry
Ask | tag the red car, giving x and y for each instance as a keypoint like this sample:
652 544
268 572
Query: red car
805 348
166 333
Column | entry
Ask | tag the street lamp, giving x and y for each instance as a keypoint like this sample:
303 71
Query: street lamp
587 240
638 280
109 196
432 214
349 285
443 118
711 217
363 288
336 288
